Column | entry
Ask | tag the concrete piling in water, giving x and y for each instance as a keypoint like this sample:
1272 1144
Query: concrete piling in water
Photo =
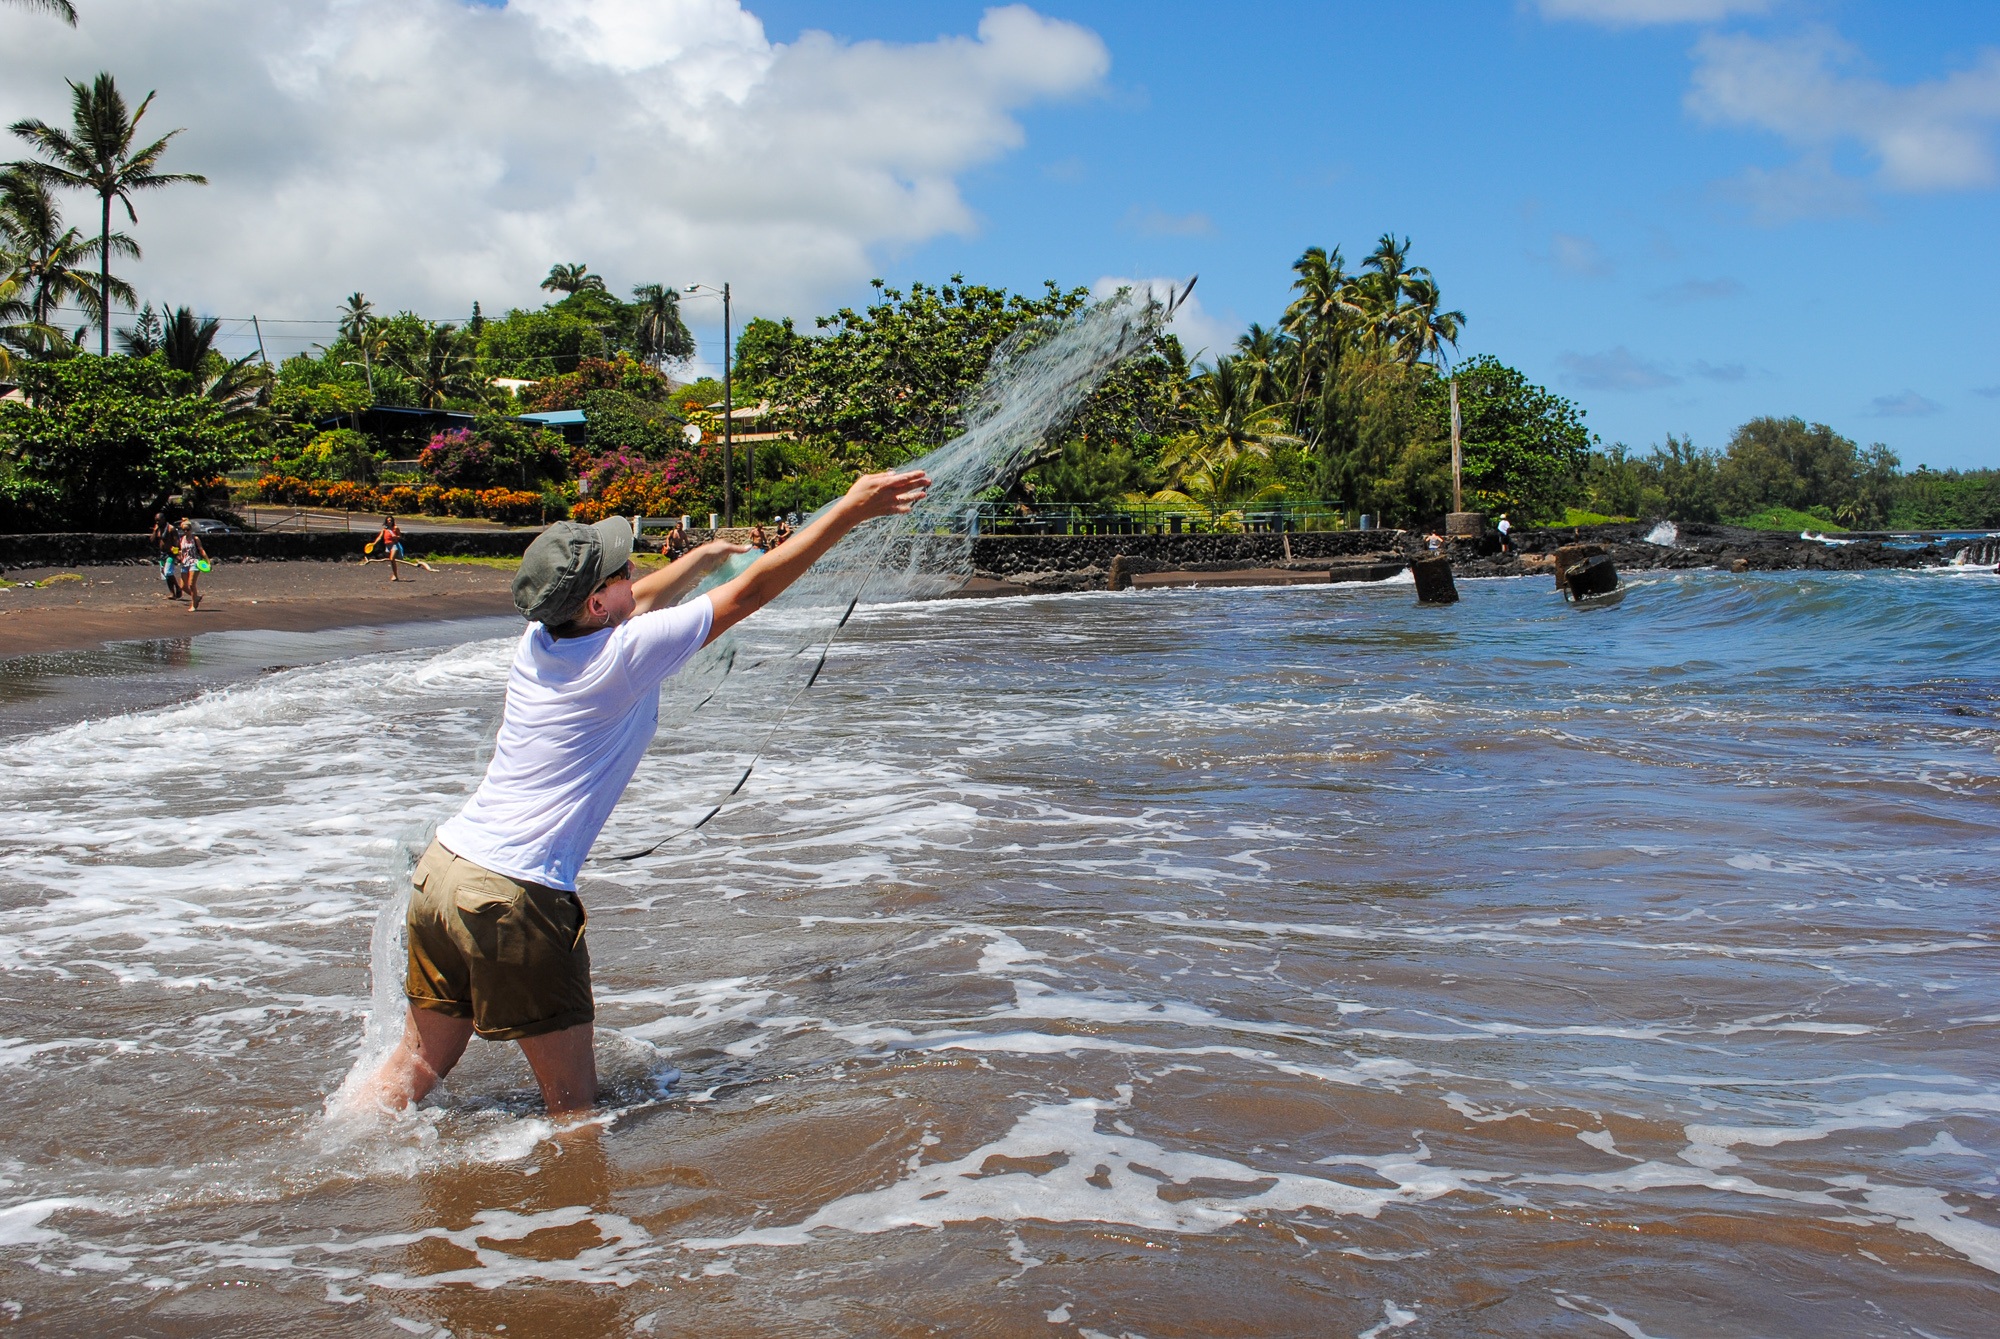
1596 575
1570 555
1434 583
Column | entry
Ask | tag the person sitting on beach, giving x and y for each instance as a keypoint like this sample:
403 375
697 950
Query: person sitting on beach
191 556
165 540
496 931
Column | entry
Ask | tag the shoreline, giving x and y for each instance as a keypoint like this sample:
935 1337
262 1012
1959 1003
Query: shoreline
51 610
54 610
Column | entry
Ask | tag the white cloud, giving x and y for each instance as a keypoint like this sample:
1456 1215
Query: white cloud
1155 222
1930 136
1578 255
431 152
1618 370
1632 13
1907 405
1202 334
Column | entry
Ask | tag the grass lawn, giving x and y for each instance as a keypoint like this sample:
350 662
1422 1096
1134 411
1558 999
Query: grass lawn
1784 518
645 562
1577 516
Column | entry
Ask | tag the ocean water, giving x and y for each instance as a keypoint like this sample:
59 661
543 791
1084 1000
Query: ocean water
1290 961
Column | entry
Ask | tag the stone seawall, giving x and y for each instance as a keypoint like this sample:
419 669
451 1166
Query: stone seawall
1005 556
82 550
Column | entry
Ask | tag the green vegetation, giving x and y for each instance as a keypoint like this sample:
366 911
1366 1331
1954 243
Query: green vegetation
1785 518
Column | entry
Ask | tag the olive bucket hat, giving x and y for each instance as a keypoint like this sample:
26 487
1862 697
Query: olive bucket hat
566 563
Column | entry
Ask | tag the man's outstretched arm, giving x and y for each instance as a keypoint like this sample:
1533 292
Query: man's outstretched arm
887 494
663 589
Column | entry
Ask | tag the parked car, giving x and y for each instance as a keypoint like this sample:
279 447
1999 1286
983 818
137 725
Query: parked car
202 525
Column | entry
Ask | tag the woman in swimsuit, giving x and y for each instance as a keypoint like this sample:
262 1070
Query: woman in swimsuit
391 543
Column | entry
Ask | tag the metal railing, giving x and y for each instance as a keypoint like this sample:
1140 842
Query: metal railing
1159 518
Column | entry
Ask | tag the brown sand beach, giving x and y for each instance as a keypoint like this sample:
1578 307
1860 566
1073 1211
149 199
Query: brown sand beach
44 610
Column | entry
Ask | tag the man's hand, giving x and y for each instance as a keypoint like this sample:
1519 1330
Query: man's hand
890 493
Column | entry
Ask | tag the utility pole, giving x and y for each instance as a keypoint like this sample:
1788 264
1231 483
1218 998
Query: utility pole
1457 458
729 422
262 357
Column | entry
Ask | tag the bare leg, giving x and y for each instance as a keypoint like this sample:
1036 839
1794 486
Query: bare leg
565 1064
432 1043
393 576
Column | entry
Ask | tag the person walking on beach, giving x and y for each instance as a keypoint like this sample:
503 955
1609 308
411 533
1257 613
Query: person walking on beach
390 541
192 558
496 931
388 547
165 538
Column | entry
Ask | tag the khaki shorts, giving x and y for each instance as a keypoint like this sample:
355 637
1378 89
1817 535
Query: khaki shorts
510 956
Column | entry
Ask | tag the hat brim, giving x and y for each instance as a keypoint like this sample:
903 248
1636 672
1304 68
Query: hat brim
614 540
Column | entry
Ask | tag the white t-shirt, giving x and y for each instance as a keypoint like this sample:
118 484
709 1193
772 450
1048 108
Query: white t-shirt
580 712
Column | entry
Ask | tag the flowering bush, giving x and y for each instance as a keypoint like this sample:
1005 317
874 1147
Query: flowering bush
498 504
625 484
494 452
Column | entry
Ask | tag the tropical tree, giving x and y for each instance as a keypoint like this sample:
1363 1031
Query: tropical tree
356 326
1216 464
572 279
1266 359
439 364
96 154
661 335
47 262
62 9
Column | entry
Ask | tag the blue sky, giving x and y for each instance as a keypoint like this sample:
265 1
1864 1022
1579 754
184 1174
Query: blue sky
1598 234
1680 213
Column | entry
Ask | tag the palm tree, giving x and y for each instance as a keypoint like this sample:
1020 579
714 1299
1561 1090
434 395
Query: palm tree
440 365
1213 465
1321 320
62 9
142 338
96 155
46 261
1266 357
356 319
568 279
661 334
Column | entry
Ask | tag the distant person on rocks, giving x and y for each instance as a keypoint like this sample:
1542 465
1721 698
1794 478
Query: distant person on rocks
191 554
165 542
1433 542
496 931
1506 529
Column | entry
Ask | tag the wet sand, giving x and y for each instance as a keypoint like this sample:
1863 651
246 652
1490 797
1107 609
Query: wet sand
78 608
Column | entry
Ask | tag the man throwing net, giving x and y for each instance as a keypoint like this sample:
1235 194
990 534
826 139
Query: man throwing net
496 930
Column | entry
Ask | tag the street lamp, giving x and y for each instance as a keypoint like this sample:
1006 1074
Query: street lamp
728 412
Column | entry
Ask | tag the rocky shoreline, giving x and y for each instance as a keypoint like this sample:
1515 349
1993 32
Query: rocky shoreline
1058 563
